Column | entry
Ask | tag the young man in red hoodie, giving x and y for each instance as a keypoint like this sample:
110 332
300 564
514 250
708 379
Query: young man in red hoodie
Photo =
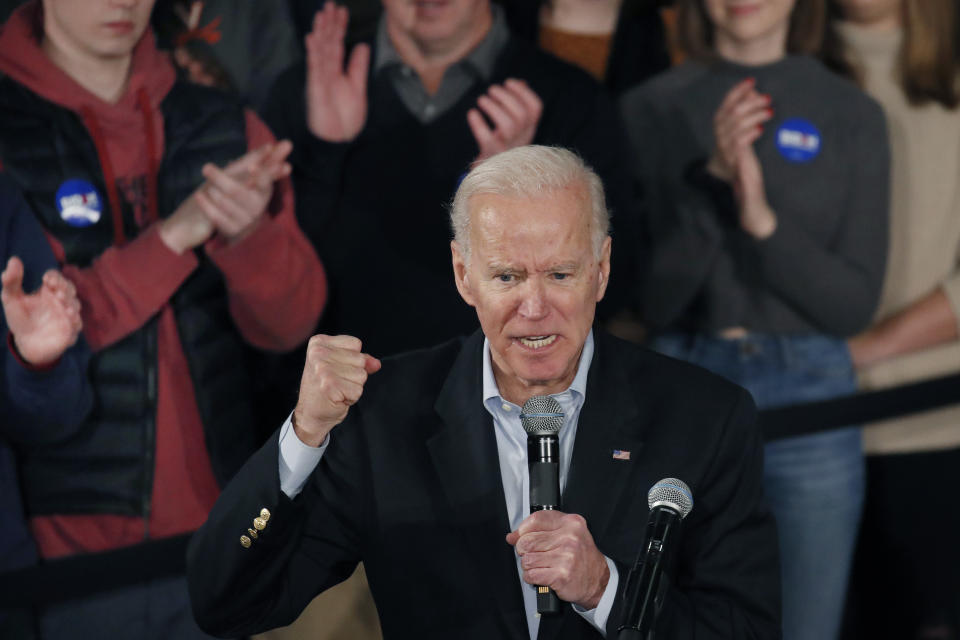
170 208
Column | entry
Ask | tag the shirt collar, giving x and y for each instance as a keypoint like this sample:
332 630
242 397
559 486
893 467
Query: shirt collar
578 386
482 58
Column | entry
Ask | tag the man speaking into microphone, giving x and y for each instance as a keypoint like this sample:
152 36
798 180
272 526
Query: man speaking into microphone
418 465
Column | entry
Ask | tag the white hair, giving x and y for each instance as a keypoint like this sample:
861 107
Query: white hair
528 172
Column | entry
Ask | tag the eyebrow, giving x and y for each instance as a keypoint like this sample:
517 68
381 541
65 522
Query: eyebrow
495 267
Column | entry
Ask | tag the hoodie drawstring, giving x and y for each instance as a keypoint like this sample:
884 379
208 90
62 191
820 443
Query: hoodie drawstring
90 119
144 101
109 177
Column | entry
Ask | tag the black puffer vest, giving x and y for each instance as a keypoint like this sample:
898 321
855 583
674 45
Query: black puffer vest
108 466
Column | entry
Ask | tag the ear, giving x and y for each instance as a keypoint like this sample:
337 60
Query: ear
604 267
460 273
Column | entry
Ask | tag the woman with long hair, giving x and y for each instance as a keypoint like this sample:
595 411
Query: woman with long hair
764 178
907 573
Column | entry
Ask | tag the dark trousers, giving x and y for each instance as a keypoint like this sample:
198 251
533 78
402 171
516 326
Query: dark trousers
906 577
155 610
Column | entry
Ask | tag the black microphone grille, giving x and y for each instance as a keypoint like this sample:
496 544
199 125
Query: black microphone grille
541 415
671 493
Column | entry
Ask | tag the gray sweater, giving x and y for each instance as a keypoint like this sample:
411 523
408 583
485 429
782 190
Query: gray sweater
825 163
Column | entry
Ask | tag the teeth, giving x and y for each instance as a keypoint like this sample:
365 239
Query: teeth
536 342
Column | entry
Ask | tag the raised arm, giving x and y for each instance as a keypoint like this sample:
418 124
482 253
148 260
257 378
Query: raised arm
304 542
276 284
837 287
42 356
677 221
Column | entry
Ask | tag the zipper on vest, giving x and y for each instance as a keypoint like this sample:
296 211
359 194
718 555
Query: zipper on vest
150 423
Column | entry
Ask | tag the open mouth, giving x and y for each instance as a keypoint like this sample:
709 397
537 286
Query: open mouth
538 342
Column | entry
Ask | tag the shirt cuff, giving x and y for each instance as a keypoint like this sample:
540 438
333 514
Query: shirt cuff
598 616
297 460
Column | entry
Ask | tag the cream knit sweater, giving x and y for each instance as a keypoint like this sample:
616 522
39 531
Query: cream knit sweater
924 238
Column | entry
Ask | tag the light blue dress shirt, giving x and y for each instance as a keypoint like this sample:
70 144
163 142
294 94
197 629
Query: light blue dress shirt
298 460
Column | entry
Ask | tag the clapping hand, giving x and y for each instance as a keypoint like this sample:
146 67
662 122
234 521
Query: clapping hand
235 198
514 109
336 100
231 200
44 323
737 124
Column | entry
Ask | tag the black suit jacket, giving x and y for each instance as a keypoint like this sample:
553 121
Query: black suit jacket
410 485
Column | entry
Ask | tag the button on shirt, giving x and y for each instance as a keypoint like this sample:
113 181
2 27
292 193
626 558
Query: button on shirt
298 460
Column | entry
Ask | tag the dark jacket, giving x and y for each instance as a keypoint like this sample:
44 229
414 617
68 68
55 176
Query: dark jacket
42 144
410 485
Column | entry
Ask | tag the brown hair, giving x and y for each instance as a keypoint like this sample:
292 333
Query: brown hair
929 67
695 30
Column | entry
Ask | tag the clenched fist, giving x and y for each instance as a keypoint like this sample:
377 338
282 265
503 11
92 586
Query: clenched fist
557 550
333 377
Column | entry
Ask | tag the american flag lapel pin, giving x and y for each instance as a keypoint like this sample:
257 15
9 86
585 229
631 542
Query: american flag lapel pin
619 454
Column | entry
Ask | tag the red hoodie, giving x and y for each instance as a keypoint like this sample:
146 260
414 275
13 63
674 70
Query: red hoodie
275 282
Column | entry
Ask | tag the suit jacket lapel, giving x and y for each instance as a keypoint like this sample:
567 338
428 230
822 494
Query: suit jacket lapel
607 423
596 480
464 453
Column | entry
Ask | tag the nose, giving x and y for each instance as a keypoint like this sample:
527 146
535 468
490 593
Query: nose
533 303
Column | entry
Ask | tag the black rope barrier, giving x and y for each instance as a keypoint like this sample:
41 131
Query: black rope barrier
84 575
860 408
88 574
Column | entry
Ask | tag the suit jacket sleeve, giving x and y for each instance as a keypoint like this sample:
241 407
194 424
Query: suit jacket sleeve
308 544
727 581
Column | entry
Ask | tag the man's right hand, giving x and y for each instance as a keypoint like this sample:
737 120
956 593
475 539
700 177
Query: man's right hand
333 377
336 101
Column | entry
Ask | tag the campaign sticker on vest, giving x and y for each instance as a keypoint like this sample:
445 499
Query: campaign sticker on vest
798 140
79 203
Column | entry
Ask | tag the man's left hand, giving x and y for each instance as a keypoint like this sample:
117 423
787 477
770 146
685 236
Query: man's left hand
44 323
514 109
235 198
556 550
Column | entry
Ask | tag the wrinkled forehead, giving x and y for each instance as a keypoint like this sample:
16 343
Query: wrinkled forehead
560 220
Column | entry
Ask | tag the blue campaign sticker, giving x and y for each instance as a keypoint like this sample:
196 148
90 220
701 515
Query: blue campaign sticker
79 203
798 140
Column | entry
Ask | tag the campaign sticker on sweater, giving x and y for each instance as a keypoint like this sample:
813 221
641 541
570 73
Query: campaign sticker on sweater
79 203
798 140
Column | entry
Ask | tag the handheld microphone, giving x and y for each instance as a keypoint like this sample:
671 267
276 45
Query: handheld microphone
670 502
542 417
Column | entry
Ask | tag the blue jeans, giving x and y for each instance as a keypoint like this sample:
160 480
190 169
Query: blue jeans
814 483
